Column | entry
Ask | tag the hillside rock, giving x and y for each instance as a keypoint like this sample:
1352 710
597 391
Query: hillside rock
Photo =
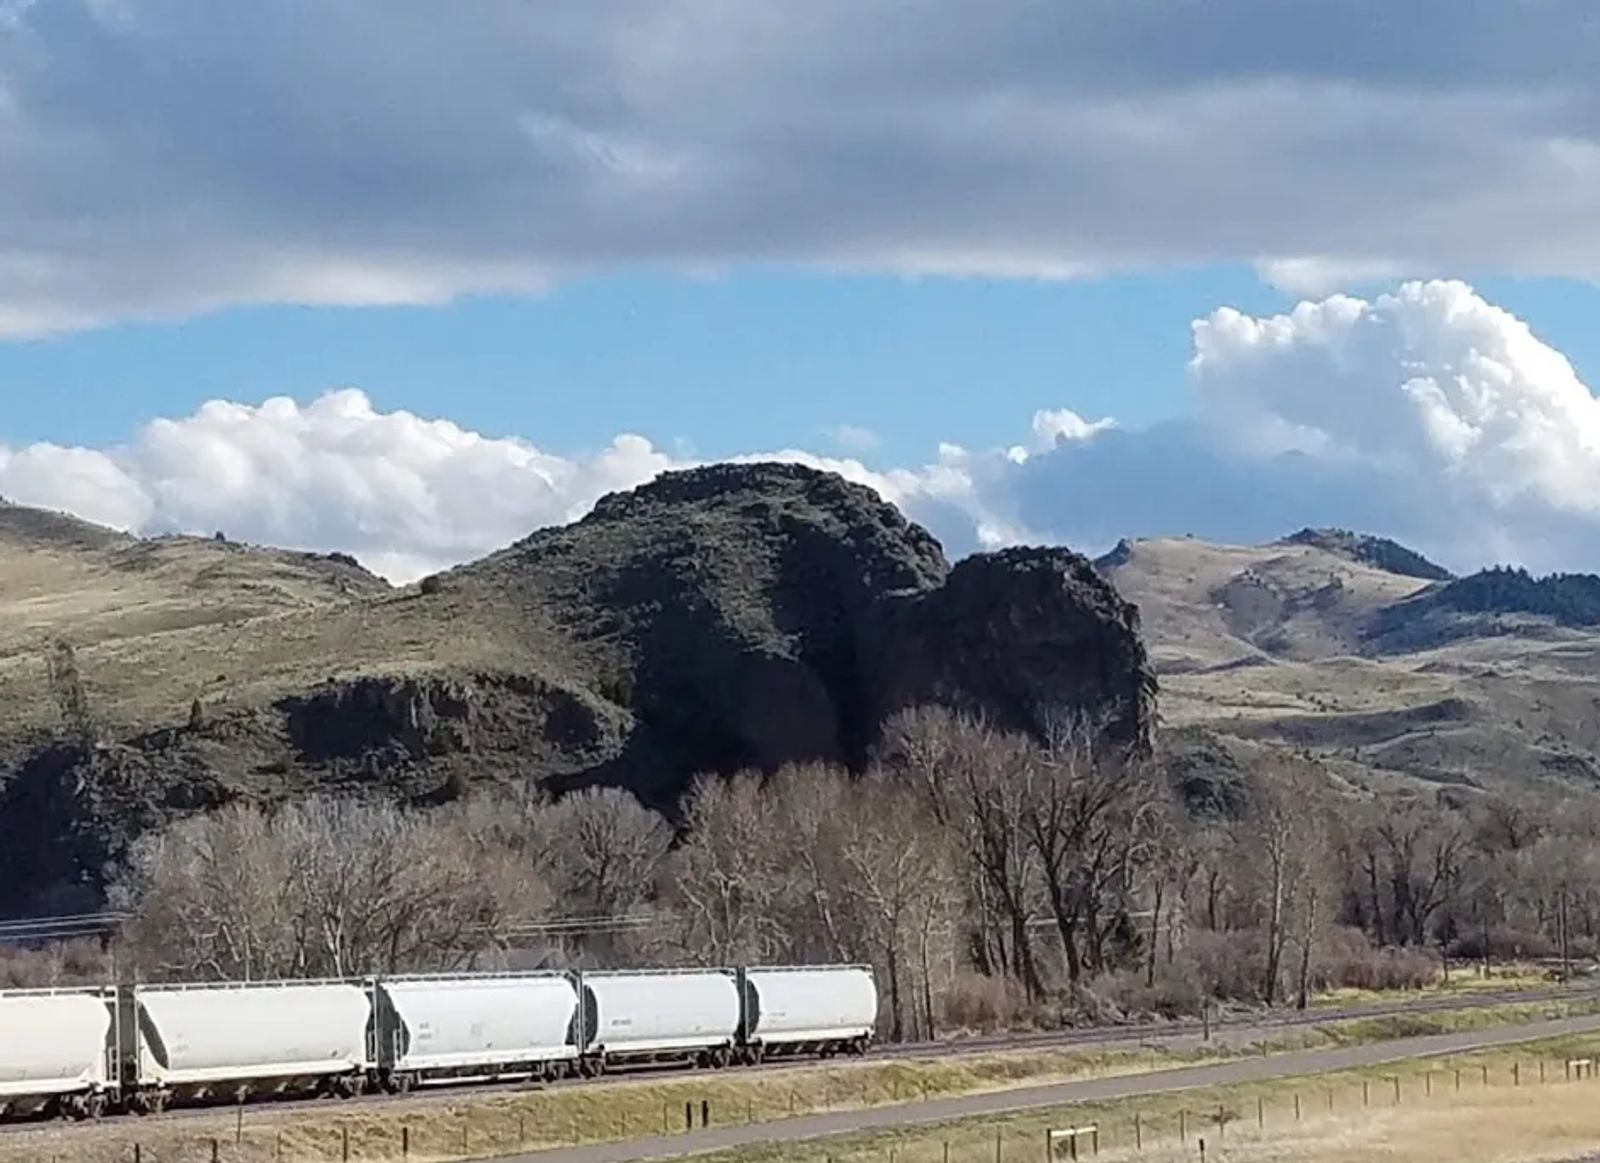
719 619
1020 636
1366 549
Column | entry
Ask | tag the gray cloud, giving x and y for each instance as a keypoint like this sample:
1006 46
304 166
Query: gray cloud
167 156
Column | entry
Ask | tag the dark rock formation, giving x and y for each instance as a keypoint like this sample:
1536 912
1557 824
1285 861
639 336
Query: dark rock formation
1021 636
720 619
1379 552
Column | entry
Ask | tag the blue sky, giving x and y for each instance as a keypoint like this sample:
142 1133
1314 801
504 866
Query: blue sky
723 364
349 274
727 363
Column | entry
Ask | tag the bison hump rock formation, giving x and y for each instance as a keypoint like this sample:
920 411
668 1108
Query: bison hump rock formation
763 614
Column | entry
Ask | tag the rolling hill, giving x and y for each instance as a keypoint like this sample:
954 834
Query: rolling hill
1369 657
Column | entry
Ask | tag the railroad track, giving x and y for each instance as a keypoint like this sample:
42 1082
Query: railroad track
1274 1019
1076 1036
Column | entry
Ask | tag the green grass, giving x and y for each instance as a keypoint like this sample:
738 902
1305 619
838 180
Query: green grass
1357 1031
1464 980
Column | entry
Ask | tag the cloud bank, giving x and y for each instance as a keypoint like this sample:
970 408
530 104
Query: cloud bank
1426 414
164 157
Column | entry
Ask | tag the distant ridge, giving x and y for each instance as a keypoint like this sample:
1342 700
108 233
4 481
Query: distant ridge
1568 599
1378 552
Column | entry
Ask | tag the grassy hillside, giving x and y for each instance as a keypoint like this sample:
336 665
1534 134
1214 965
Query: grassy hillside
1297 644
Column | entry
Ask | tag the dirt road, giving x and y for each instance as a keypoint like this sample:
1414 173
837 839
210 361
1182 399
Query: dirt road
1061 1094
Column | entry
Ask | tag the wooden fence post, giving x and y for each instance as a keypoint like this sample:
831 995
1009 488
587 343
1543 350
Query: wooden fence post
1297 1106
1138 1133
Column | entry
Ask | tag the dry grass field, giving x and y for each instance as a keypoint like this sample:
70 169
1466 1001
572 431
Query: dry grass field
1499 1107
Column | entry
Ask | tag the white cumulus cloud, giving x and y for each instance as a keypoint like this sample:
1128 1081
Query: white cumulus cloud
1426 414
405 494
1430 380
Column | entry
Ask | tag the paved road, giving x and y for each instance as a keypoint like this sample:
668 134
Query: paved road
1091 1090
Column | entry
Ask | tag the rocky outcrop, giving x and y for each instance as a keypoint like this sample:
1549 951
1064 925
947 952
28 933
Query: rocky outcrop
1023 636
720 619
1367 549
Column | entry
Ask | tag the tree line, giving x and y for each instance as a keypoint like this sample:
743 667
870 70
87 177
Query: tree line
990 878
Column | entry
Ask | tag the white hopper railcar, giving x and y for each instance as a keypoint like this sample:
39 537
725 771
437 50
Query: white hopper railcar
58 1051
827 1009
667 1015
197 1041
457 1028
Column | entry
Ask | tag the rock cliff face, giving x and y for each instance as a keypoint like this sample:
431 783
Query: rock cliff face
1021 636
719 619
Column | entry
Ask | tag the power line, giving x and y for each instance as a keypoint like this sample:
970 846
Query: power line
61 927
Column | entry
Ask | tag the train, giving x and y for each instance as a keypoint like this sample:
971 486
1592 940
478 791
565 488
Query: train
83 1053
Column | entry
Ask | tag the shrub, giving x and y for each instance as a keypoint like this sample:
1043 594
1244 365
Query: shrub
1227 966
1349 961
1175 993
974 1001
63 963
